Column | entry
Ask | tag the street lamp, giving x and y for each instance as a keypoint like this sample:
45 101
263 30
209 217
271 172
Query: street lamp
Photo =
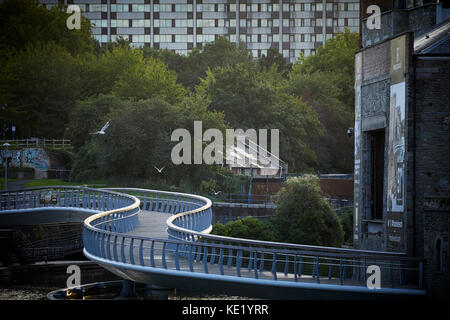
6 145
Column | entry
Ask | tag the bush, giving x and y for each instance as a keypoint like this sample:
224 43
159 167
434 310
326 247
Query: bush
248 228
304 216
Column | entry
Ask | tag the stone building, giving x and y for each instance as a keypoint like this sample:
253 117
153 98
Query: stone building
402 147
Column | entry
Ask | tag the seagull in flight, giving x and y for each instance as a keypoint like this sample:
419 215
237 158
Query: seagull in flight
102 130
216 193
159 170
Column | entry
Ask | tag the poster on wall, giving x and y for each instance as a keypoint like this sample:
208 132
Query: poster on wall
397 107
395 215
396 170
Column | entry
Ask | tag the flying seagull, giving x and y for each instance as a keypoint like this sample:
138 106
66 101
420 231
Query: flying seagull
102 130
159 170
216 193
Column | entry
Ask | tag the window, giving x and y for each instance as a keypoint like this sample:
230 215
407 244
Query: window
285 38
264 38
184 38
329 22
232 38
141 23
100 23
184 23
285 22
254 23
329 7
276 38
140 8
163 38
242 22
318 22
254 8
263 23
162 8
376 173
341 22
286 7
233 7
119 8
99 8
319 7
101 38
319 37
307 7
254 38
264 7
307 22
232 22
119 24
141 38
276 22
183 8
285 53
307 38
242 7
438 255
164 23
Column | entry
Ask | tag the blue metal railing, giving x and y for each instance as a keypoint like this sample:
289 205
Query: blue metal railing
191 248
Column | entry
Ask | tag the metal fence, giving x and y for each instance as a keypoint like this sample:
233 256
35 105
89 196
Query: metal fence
37 142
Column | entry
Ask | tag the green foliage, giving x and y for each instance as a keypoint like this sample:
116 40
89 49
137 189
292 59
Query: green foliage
248 228
304 216
345 216
62 157
324 81
42 83
25 22
273 57
250 98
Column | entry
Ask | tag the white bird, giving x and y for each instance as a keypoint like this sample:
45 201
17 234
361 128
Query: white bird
159 170
216 193
102 130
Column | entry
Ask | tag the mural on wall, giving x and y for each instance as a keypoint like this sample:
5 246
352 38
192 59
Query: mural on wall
396 172
357 134
36 158
395 207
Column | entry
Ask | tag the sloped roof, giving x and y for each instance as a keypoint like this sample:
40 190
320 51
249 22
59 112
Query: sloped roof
435 41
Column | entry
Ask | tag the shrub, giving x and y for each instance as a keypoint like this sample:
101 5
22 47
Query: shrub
304 216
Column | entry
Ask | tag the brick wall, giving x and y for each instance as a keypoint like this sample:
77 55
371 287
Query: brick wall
433 169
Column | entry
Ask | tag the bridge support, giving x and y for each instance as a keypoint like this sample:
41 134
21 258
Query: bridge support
128 289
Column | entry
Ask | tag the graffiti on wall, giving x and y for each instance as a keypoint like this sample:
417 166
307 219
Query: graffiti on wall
35 158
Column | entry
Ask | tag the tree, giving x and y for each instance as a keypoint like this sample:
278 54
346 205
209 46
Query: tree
324 81
304 215
221 53
274 57
250 98
42 83
25 22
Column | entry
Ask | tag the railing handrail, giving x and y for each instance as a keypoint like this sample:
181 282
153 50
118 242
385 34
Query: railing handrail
205 233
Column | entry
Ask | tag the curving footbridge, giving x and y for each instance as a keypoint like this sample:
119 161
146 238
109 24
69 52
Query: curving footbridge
163 239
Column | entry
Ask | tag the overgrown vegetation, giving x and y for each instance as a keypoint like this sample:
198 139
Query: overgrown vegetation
303 216
59 83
